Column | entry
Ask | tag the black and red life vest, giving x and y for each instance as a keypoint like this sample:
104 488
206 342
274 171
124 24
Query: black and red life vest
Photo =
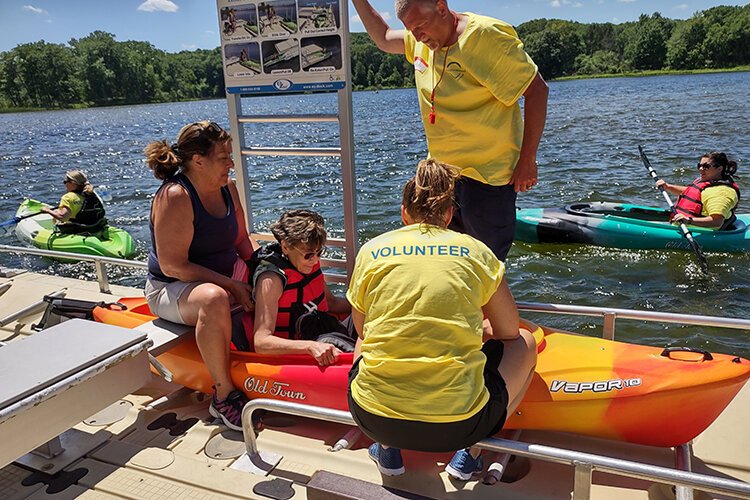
690 204
302 292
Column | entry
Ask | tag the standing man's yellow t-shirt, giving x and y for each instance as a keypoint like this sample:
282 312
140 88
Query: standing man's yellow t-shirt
478 124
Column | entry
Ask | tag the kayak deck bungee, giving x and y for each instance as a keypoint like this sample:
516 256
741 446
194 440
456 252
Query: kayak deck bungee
584 385
39 231
622 225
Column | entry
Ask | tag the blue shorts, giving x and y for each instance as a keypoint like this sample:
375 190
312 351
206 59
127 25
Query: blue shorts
488 213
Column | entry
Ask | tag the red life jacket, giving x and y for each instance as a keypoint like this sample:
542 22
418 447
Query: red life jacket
689 203
301 293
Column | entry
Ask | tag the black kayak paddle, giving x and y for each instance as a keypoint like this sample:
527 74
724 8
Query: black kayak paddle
685 231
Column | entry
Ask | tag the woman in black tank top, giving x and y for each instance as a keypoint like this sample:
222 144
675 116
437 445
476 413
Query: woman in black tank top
199 243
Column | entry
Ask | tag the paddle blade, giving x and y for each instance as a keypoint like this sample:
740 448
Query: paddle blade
702 261
104 194
8 226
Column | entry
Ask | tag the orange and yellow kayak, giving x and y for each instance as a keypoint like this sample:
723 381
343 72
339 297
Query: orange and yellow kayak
584 385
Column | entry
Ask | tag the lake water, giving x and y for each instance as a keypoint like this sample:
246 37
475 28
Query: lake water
588 153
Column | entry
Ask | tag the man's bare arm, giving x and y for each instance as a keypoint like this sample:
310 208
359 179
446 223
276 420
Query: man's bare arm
387 39
535 116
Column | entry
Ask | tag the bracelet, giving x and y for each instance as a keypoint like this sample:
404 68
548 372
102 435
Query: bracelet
690 219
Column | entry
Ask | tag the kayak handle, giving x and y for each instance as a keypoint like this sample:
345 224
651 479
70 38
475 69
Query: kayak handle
669 350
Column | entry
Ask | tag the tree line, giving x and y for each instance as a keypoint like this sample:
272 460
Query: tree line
98 70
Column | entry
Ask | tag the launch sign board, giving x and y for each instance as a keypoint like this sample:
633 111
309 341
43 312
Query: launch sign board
282 45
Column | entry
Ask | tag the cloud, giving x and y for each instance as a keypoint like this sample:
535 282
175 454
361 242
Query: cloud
559 3
188 46
626 1
35 10
385 15
158 5
682 6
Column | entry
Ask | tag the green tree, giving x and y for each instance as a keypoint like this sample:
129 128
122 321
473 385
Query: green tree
601 61
685 49
555 48
41 74
646 42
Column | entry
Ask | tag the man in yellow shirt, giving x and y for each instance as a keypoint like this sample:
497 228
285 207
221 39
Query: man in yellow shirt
470 72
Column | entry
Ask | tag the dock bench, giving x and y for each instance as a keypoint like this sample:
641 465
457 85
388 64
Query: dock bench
52 380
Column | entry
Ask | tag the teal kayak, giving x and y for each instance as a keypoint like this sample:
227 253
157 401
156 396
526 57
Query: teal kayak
39 231
621 225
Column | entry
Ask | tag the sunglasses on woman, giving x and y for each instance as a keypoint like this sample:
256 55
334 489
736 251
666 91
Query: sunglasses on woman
317 253
705 166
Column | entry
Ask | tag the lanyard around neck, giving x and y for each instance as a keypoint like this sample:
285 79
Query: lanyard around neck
433 114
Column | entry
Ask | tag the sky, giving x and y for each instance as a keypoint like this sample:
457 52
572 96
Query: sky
175 25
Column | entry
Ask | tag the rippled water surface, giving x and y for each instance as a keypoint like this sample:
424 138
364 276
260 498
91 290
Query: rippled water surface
589 153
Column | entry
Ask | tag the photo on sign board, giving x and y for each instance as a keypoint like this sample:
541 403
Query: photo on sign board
319 16
242 59
281 57
277 18
239 22
321 53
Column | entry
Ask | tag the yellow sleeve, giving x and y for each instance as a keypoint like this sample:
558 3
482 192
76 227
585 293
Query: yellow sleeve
509 74
494 270
719 200
409 44
358 285
72 202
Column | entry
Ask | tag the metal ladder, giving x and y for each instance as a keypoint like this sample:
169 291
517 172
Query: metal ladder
237 121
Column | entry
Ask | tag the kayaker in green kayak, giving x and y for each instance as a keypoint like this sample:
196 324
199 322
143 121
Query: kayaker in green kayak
710 201
80 209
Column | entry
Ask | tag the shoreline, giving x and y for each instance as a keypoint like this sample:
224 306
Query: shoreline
630 74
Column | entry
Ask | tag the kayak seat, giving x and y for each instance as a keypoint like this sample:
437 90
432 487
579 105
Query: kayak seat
48 387
83 229
619 210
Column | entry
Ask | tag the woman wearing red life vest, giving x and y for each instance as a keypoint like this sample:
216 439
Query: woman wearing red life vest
710 201
288 282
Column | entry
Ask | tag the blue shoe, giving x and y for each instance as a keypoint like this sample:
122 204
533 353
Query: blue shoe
462 466
389 460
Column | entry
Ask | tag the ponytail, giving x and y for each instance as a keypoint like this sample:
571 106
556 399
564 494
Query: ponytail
731 168
429 195
718 159
162 159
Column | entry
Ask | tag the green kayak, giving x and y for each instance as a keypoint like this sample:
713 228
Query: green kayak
39 231
621 225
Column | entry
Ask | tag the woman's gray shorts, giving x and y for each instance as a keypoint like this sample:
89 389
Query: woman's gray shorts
163 298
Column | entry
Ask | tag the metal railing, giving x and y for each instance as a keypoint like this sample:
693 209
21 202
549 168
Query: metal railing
100 263
610 314
584 464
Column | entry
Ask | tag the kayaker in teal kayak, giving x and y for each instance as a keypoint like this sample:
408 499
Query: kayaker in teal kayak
80 209
710 201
